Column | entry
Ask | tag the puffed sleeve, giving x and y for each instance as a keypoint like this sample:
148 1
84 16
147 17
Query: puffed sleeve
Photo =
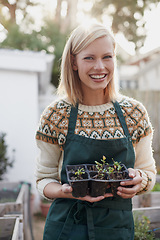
145 163
47 164
144 160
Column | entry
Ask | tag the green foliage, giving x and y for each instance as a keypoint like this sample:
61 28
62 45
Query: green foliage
56 40
48 39
142 228
78 174
156 187
116 167
16 39
126 16
101 169
5 162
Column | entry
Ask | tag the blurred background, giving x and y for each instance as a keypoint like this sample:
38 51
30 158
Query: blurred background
32 36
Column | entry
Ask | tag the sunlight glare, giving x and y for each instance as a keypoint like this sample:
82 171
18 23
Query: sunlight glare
85 20
125 44
64 9
153 33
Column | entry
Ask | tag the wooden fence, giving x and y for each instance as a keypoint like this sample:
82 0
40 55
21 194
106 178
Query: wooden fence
149 205
151 100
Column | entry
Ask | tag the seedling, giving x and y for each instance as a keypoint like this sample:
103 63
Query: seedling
101 168
116 167
79 173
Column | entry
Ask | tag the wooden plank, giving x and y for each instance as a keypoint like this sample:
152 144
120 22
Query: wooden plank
151 199
18 229
21 206
6 208
6 226
153 213
15 207
20 198
153 111
155 199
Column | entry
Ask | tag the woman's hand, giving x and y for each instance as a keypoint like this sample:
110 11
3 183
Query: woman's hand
68 189
95 199
130 192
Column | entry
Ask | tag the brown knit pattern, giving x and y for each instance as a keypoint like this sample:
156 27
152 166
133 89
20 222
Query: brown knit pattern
104 125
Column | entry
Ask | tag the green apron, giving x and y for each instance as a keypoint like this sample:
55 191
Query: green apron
109 219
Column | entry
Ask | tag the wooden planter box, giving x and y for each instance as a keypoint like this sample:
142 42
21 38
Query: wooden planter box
148 205
14 216
11 227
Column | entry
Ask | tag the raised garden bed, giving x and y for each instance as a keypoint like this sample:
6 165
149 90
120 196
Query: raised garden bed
15 211
149 205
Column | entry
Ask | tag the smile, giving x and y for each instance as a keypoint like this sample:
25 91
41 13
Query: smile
98 76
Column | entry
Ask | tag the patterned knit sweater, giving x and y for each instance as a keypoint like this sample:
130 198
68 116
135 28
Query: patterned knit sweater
96 122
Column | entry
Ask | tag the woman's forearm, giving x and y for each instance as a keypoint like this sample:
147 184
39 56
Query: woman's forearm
55 190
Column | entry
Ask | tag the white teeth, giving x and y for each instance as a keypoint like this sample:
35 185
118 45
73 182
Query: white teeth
98 76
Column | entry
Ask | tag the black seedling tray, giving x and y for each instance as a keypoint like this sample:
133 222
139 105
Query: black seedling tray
80 187
95 187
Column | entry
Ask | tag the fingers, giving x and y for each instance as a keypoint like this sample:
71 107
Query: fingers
132 172
127 192
130 188
66 188
91 199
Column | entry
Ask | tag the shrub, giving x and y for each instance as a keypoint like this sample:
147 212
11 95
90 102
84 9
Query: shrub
142 228
5 162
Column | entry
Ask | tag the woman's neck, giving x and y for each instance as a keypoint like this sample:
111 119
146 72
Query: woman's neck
97 98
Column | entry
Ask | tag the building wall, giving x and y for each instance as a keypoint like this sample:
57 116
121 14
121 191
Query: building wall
18 119
150 80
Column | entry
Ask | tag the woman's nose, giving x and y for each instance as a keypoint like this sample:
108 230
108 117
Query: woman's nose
99 65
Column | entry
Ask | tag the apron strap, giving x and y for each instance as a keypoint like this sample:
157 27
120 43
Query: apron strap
121 118
90 224
72 119
67 228
68 224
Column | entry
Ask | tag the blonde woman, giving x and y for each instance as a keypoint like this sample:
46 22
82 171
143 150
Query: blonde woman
90 121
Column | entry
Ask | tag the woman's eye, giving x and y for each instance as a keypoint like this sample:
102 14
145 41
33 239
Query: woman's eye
107 57
88 58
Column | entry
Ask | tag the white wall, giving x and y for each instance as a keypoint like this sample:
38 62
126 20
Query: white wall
18 119
150 80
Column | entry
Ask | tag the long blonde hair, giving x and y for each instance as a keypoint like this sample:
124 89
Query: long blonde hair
79 39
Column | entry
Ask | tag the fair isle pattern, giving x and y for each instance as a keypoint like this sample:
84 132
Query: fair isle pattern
104 125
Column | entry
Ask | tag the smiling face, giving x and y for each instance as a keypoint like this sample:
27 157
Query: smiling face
95 66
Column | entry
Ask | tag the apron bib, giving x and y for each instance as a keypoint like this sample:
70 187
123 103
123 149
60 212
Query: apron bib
109 219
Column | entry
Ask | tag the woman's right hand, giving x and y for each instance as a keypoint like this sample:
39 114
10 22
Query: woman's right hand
56 190
68 189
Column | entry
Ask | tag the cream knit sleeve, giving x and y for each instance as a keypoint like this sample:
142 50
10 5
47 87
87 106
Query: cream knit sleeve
145 163
47 164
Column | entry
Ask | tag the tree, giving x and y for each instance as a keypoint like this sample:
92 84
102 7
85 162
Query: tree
127 17
55 41
5 162
48 39
67 22
17 5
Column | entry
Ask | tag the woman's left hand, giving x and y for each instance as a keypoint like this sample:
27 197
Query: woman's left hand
135 183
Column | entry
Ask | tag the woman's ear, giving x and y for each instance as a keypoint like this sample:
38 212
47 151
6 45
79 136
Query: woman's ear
74 63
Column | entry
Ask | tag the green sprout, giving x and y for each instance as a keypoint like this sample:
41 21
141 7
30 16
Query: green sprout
117 165
79 173
101 168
